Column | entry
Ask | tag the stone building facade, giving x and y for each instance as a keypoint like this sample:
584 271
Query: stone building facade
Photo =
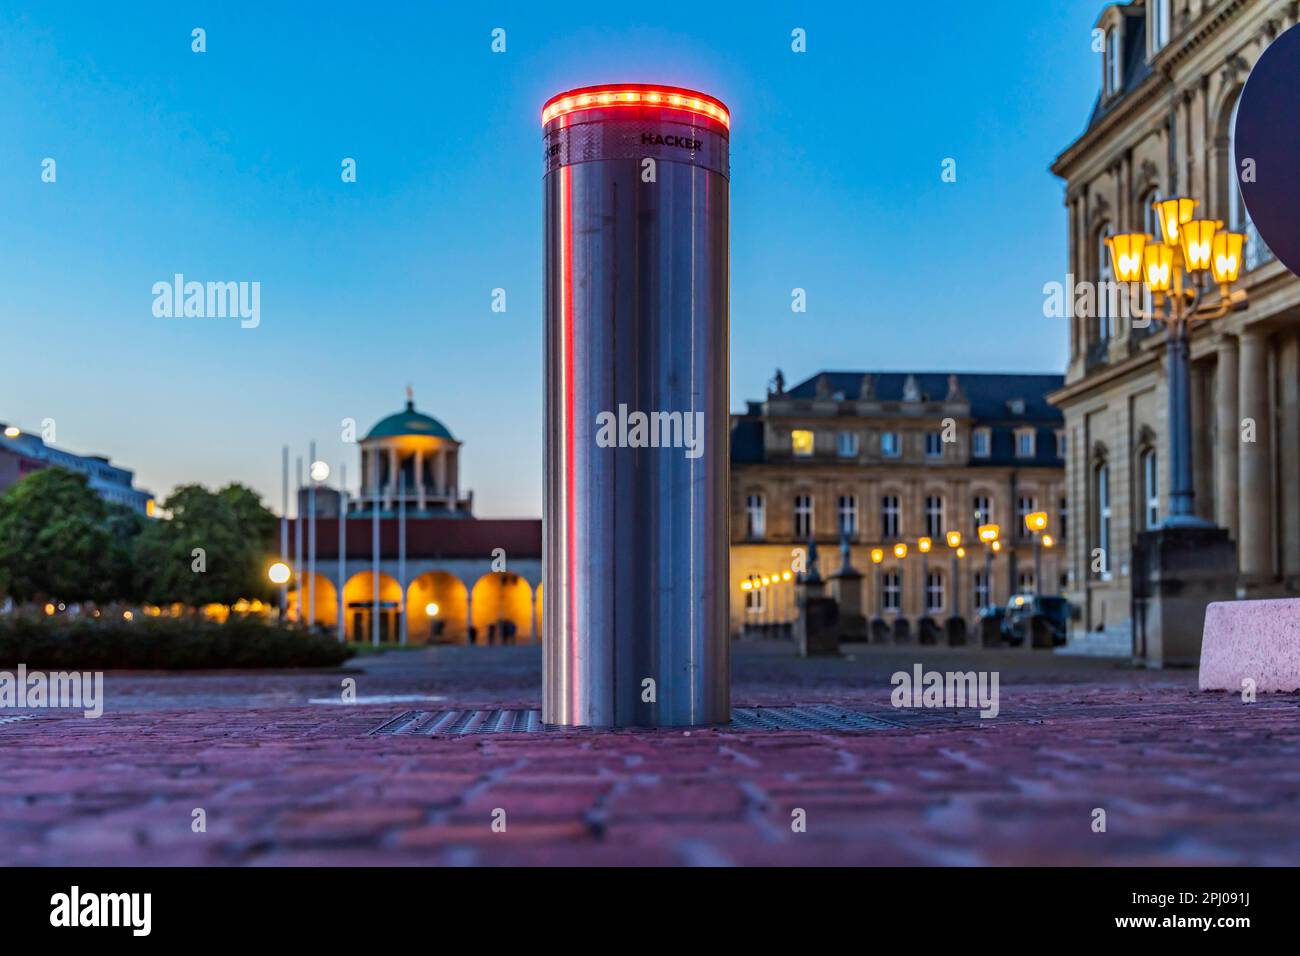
1171 74
889 458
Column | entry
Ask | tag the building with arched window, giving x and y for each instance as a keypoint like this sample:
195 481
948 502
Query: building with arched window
1163 126
889 458
417 566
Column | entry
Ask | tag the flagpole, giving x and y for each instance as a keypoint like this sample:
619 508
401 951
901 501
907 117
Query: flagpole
297 536
401 550
311 535
343 548
374 556
284 528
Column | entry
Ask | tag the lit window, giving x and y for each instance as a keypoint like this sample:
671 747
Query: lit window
1102 497
803 516
848 514
1150 489
755 516
934 592
889 517
893 585
933 445
1061 444
934 517
847 444
1106 291
980 443
889 444
802 442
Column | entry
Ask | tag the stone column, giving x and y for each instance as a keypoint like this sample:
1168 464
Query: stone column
419 478
1255 471
393 476
440 470
1228 439
1288 445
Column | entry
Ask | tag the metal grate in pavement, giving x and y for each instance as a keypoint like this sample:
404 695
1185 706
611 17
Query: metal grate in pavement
428 723
14 720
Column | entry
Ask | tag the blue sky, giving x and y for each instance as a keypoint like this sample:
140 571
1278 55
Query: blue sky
225 166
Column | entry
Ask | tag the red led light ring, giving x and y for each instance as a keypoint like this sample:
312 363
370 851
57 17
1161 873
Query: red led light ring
631 94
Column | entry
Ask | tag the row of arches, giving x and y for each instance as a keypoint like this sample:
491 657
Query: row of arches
500 608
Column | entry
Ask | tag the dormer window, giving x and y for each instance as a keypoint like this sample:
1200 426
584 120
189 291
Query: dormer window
801 443
1113 73
1017 406
1159 24
980 441
1024 443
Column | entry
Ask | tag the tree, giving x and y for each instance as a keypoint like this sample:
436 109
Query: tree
211 551
55 542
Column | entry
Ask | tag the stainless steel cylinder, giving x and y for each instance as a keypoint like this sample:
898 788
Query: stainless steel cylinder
635 554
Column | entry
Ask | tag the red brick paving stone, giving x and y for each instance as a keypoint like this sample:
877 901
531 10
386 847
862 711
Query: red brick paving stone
1185 777
464 833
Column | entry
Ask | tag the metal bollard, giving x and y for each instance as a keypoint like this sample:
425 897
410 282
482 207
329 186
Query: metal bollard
636 515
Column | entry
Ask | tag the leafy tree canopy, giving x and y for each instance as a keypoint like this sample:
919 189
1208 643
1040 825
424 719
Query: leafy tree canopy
56 541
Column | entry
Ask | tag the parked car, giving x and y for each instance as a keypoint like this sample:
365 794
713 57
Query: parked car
1053 609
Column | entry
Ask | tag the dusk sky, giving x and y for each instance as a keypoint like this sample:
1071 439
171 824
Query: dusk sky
225 166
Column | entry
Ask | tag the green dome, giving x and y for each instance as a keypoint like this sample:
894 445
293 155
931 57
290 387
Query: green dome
409 422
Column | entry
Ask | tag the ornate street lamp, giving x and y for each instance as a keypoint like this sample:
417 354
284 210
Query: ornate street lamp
877 556
954 544
1178 271
1036 524
988 533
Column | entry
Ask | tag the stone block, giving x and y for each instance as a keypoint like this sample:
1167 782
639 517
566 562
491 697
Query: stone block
1259 640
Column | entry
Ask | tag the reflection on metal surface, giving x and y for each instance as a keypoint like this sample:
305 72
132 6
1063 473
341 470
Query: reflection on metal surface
636 301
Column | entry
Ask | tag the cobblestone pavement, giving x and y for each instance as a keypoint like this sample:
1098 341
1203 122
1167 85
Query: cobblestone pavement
1184 777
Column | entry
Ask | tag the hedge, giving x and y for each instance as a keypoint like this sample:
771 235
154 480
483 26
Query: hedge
161 643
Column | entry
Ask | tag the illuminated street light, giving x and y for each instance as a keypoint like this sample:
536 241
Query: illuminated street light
923 545
12 431
1193 256
900 550
319 471
954 539
279 573
988 533
431 609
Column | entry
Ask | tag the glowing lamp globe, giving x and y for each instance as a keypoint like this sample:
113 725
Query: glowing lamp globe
1197 238
1225 256
1173 213
1126 255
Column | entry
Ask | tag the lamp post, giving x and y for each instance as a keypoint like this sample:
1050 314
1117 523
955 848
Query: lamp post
878 556
1177 272
1036 524
1047 541
954 544
988 533
923 545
